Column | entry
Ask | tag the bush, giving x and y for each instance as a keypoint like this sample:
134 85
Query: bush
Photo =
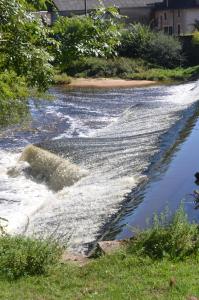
13 91
61 79
100 67
176 240
195 39
127 68
22 256
178 74
164 50
135 40
139 41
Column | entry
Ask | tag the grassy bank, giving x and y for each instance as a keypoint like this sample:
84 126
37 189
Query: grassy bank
125 68
118 276
160 263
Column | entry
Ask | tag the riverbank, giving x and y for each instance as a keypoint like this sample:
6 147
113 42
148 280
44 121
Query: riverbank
119 276
108 83
158 264
122 68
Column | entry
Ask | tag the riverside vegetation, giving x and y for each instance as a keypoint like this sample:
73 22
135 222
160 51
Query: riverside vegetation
160 263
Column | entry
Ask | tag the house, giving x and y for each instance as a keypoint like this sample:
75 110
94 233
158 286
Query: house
135 10
45 16
177 17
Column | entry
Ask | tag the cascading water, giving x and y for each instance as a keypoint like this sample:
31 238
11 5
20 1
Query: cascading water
110 136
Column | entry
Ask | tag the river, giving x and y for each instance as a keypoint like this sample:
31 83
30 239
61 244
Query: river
118 137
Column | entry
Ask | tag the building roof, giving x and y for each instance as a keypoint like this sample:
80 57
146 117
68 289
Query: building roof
73 5
169 4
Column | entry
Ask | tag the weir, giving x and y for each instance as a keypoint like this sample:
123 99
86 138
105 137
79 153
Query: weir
101 146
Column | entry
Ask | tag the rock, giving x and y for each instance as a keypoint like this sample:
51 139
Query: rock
78 259
192 298
197 175
101 248
107 247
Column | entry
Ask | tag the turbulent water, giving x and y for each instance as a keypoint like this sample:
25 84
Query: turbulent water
112 135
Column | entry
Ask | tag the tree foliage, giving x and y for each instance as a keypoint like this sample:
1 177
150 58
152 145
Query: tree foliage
23 45
82 36
139 41
195 39
36 4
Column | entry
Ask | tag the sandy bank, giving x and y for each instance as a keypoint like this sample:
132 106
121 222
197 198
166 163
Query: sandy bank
109 83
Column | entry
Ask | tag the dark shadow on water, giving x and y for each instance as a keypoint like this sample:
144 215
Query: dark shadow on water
170 180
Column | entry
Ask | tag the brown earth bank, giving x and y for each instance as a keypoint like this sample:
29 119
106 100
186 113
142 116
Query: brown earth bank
109 83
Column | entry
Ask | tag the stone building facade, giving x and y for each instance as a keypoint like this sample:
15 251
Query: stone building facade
177 17
173 17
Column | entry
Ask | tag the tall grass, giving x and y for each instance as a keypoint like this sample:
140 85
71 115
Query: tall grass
20 256
175 240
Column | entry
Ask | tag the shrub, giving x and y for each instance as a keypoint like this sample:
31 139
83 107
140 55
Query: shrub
164 50
195 39
62 79
135 40
127 68
21 256
175 240
13 91
100 67
140 41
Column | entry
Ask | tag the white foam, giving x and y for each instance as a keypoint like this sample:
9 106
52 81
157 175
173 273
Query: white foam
117 153
19 197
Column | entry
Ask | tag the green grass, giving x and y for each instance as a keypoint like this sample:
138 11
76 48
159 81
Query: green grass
62 78
127 68
118 276
160 263
178 74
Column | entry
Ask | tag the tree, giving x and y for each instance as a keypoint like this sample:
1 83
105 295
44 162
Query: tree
36 4
139 41
24 43
24 58
196 25
83 36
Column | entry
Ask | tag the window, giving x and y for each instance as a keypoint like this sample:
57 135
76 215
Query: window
179 13
165 16
179 29
168 30
161 22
